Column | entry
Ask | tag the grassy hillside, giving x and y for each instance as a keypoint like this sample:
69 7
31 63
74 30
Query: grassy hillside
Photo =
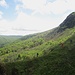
48 53
53 59
7 39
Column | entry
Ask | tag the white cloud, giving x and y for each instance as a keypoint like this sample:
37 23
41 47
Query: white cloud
44 7
71 4
5 25
57 7
29 22
35 5
1 13
3 3
26 23
32 22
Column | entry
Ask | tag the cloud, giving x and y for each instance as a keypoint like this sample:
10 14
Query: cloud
5 25
44 16
23 29
57 7
48 7
18 7
35 5
3 3
27 24
71 4
1 13
31 22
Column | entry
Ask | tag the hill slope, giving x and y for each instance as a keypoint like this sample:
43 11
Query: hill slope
55 48
7 39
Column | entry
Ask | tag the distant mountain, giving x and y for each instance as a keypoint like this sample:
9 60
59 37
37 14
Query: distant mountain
27 37
4 39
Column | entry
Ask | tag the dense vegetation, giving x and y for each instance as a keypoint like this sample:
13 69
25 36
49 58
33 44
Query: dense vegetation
48 53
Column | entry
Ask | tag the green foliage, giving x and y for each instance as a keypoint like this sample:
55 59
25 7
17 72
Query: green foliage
7 39
53 58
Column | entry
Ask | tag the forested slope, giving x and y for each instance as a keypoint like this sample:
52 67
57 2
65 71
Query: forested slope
48 53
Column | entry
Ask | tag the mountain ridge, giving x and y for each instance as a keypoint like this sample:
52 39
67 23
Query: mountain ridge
69 22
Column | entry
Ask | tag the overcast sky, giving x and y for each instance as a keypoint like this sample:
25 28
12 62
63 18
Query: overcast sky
22 17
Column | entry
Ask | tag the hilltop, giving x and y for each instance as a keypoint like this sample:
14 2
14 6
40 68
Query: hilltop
55 48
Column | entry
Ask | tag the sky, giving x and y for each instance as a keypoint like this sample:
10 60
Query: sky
23 17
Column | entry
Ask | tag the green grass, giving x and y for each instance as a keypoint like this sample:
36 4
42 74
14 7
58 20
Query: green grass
58 62
52 60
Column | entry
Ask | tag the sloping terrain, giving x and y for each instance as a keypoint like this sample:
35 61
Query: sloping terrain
48 53
7 39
